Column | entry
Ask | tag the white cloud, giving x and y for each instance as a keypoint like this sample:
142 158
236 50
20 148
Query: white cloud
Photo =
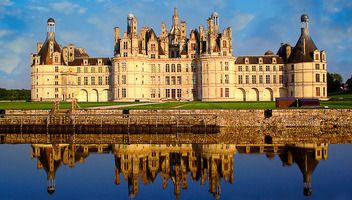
19 45
9 62
334 6
5 32
241 20
38 8
67 7
6 2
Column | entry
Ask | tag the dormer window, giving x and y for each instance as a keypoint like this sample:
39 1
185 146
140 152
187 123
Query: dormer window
274 60
260 60
99 61
85 62
246 60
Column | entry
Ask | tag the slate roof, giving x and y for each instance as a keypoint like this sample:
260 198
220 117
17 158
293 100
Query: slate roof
91 61
255 59
304 44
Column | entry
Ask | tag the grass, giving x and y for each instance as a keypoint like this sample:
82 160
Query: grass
340 95
208 105
49 105
170 105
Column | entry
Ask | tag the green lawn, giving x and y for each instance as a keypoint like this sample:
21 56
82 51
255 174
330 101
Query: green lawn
207 105
49 105
169 105
340 95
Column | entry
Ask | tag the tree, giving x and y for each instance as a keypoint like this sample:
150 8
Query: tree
334 82
349 84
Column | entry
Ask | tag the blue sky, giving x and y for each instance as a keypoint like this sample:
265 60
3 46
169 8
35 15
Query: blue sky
258 26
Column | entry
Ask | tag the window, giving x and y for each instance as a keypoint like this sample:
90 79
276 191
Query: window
100 69
247 79
179 93
317 91
152 56
226 66
324 79
274 68
92 80
281 78
123 68
107 81
124 54
172 67
193 46
56 69
85 69
152 80
254 68
56 89
281 68
292 67
323 66
178 67
85 80
260 68
254 79
274 78
100 80
152 93
78 80
179 81
240 81
227 92
267 68
167 68
56 59
317 77
167 93
224 44
123 81
221 93
267 79
239 68
167 80
124 93
186 67
221 76
125 44
292 78
225 53
92 69
227 78
194 81
247 68
56 77
317 66
261 79
173 80
316 56
324 92
152 47
193 55
152 68
78 69
193 67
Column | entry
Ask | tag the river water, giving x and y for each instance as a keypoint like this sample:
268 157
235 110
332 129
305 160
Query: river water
234 163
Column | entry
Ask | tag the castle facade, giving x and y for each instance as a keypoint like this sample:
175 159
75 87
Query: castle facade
174 67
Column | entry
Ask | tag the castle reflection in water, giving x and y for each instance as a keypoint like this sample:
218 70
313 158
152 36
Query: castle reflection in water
202 162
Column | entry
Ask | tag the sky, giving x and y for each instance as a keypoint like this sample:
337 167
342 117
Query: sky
258 26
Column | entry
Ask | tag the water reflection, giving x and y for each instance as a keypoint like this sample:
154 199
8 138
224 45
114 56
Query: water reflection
212 163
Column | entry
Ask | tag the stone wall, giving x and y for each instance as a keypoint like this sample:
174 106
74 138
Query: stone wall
221 117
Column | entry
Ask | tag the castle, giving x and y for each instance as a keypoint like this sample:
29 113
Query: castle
168 67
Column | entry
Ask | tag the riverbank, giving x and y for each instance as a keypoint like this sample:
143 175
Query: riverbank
329 118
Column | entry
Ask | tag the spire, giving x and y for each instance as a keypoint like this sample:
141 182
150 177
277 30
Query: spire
175 19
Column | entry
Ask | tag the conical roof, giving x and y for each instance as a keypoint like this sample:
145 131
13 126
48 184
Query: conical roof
303 51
